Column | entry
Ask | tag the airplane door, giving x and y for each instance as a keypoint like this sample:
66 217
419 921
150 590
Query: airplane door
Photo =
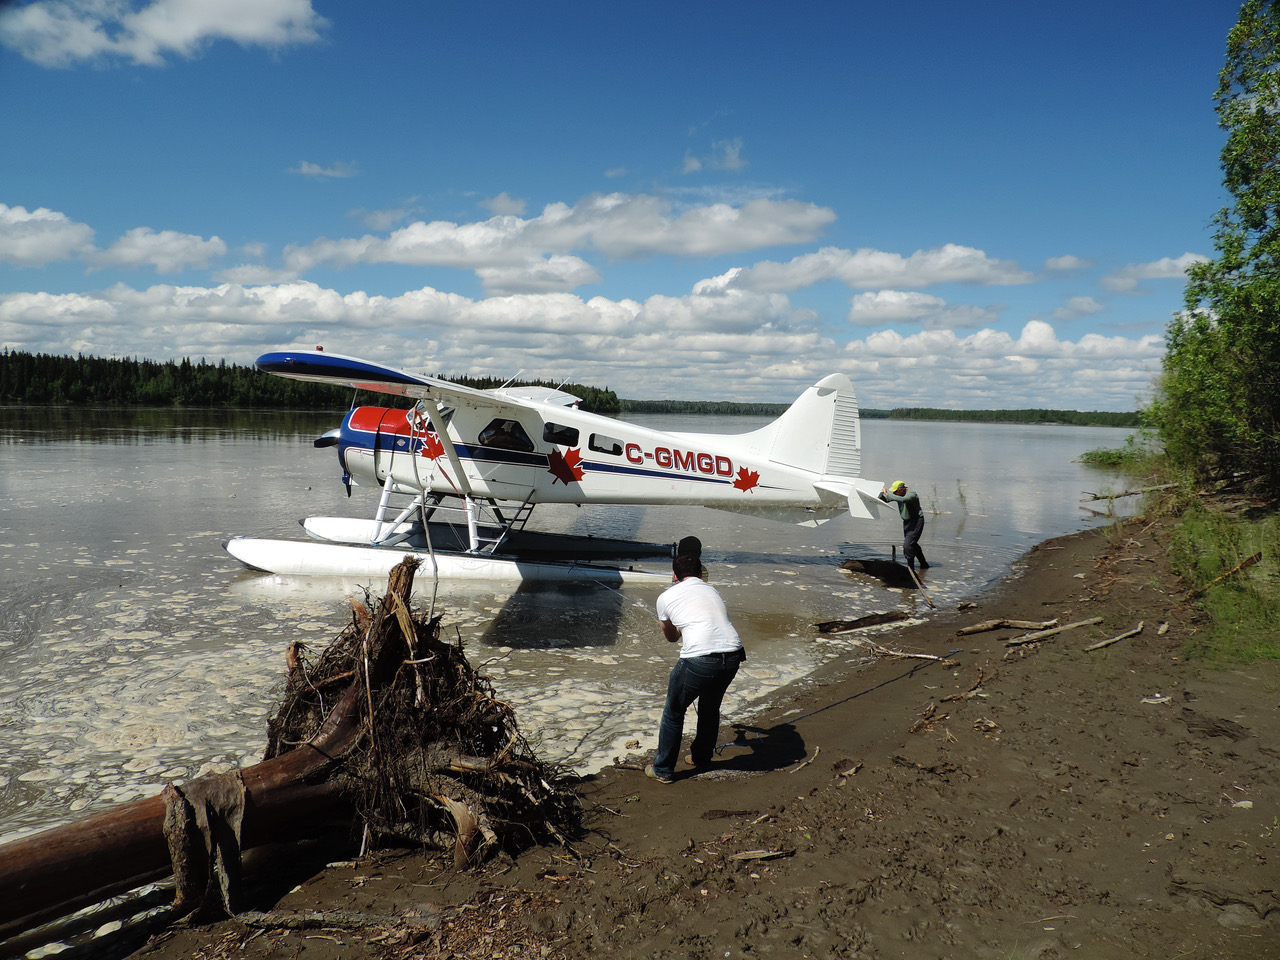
504 459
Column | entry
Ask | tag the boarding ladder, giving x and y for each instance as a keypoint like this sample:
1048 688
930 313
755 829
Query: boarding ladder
477 515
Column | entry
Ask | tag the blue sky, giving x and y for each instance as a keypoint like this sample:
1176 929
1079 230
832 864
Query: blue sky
967 205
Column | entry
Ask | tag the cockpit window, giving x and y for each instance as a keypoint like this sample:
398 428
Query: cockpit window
506 435
602 444
564 436
419 417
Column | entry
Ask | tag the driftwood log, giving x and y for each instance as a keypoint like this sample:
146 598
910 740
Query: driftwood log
1001 623
1128 493
861 623
1039 635
1116 639
391 727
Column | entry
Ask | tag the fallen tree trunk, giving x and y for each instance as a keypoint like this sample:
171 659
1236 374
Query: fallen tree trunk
1129 493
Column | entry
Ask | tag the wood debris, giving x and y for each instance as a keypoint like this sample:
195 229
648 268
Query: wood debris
1243 565
1045 634
929 719
760 854
871 620
1106 643
975 690
882 651
1001 623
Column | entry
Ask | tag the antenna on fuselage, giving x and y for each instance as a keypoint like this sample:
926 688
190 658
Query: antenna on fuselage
512 379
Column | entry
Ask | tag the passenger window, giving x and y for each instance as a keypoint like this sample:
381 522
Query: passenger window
564 436
506 435
602 444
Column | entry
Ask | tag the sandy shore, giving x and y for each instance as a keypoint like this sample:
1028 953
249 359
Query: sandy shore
1026 801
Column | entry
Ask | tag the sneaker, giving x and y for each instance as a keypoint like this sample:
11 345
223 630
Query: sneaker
653 774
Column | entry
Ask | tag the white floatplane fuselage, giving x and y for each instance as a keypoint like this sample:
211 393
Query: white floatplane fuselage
525 446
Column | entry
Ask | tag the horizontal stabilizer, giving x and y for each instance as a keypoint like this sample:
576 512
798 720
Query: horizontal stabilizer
863 496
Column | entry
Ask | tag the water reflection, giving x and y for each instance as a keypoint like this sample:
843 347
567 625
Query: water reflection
155 424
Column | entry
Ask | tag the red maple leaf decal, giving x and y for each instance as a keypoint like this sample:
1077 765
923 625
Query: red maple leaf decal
432 448
746 480
565 466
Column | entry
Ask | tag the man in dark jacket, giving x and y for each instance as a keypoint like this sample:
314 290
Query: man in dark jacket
908 502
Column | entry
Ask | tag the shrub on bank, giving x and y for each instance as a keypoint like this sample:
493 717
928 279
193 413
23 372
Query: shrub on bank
1212 540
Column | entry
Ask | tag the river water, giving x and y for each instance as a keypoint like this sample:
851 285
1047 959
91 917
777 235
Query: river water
135 651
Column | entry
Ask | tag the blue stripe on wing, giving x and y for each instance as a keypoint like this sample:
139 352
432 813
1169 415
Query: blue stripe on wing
331 366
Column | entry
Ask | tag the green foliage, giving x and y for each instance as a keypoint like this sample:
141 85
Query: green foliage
29 378
1218 402
1137 457
1244 607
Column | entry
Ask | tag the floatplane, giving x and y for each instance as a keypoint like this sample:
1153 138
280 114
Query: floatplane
492 456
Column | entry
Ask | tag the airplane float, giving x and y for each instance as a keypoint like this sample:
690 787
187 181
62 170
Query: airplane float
491 456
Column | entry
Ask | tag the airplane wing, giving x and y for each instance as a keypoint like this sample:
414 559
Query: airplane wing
334 368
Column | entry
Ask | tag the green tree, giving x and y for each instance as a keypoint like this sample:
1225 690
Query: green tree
1218 402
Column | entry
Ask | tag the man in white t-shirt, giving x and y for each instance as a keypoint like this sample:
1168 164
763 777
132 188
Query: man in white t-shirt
693 613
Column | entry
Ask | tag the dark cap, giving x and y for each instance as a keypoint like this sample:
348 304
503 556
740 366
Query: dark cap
689 547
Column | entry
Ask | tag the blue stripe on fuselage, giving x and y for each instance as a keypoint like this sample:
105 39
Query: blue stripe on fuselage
366 440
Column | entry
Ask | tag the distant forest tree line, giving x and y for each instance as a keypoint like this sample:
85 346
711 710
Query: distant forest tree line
1077 418
38 378
703 407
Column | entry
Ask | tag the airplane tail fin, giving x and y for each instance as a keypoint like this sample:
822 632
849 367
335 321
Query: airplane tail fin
821 433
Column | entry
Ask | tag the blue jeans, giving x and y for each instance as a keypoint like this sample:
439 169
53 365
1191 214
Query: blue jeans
704 679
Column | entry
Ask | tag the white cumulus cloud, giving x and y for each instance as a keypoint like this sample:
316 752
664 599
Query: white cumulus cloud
1077 307
1068 262
1126 279
32 238
617 225
750 345
62 33
338 171
504 204
892 306
167 250
865 268
558 273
